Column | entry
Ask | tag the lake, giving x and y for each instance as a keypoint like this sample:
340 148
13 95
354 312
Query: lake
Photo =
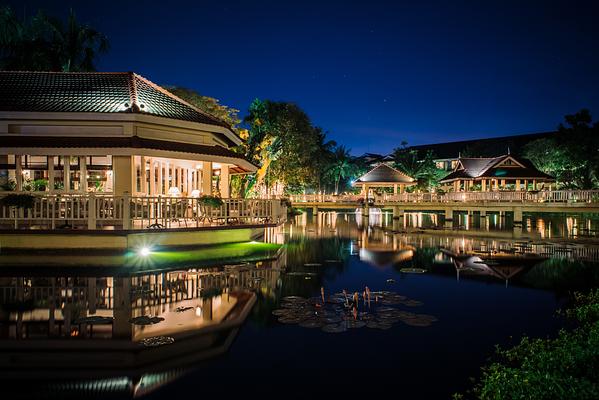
278 323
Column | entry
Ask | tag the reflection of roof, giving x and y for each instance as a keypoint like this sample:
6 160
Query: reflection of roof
384 258
102 92
469 168
134 142
383 173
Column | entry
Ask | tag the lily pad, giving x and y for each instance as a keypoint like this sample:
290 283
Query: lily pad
146 320
183 309
157 341
413 270
334 328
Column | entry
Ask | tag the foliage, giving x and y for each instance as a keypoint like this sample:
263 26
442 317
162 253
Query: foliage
283 142
44 43
208 104
10 185
24 201
572 156
418 166
566 367
341 166
210 201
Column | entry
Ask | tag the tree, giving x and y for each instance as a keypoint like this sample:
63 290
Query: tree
572 156
342 166
418 166
43 43
208 104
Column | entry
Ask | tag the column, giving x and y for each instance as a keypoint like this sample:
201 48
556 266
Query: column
206 178
152 177
224 182
143 187
159 188
526 185
483 185
518 185
83 174
124 174
167 174
18 173
503 183
365 192
534 184
66 173
395 188
51 173
448 218
517 224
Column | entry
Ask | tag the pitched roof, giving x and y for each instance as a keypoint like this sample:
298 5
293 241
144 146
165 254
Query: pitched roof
492 168
103 92
134 142
383 173
488 147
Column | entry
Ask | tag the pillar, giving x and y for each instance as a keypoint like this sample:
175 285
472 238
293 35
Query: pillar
66 173
315 211
159 187
395 188
224 182
124 176
143 175
517 215
503 183
449 218
206 178
51 173
518 185
18 173
83 174
167 177
526 184
483 213
365 193
152 177
534 184
483 184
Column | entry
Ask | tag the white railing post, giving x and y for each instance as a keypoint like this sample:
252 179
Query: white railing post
91 211
126 210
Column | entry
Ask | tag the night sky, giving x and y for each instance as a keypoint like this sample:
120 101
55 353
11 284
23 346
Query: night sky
370 73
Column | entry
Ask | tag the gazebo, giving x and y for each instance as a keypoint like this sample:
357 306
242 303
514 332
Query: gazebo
498 173
384 176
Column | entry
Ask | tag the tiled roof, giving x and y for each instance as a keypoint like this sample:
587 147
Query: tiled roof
383 173
103 92
488 168
134 142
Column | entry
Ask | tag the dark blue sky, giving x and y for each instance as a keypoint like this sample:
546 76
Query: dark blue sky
371 73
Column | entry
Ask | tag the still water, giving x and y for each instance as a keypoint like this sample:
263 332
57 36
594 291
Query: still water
435 307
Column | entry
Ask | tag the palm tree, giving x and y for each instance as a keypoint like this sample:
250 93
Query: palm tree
44 43
342 165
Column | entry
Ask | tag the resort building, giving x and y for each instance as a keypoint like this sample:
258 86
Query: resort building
110 133
383 176
114 151
506 172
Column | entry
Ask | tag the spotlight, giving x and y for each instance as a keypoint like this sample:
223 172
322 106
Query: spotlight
144 251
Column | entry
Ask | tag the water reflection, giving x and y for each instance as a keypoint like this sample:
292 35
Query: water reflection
124 333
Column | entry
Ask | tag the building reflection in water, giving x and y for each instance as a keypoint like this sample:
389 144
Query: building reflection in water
81 326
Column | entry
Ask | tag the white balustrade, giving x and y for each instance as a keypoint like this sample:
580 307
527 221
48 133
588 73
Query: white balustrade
132 212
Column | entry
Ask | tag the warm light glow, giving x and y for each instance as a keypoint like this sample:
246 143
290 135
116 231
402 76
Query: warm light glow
195 193
174 191
145 251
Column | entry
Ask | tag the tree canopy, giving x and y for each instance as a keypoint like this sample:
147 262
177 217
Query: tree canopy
572 156
44 43
208 104
418 166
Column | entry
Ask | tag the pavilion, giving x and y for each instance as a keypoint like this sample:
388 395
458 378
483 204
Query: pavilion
114 133
505 172
384 176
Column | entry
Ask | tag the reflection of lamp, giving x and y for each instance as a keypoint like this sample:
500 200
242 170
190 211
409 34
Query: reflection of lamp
195 193
174 191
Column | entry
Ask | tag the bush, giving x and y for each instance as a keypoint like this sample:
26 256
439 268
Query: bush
211 201
566 367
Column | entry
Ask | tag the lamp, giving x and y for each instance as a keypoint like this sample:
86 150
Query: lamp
195 193
174 191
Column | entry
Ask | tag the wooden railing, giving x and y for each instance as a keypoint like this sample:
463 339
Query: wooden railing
127 212
546 196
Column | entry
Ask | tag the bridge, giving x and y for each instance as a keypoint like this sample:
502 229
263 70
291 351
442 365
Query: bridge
516 203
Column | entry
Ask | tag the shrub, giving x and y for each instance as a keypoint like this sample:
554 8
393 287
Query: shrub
566 367
211 201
